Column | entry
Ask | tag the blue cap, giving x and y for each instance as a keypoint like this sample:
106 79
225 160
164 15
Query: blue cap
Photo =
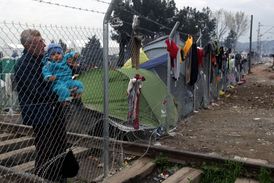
53 47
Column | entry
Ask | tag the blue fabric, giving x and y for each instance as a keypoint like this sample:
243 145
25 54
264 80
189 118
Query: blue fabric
154 62
36 98
64 82
63 89
70 54
53 47
59 69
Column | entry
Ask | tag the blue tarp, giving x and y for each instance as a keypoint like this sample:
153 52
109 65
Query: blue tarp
154 62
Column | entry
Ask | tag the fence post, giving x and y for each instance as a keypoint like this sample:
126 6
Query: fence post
106 83
168 77
250 45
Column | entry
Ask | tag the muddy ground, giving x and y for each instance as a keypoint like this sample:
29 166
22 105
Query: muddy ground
240 124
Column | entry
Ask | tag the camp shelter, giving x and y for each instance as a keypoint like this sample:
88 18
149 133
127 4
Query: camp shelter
182 92
6 66
8 97
153 94
156 48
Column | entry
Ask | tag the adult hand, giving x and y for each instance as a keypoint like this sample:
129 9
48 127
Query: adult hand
52 78
75 76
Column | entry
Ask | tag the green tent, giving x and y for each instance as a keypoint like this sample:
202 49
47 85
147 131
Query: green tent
6 66
153 94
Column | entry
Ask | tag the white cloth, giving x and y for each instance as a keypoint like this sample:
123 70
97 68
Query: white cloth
2 83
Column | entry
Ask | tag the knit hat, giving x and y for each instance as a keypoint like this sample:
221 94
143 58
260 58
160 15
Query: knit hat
71 54
53 48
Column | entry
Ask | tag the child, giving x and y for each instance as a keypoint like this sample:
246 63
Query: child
57 70
71 58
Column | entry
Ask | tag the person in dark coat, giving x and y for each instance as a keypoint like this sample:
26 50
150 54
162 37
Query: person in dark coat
40 108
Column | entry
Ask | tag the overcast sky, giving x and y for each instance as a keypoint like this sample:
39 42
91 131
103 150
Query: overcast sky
33 12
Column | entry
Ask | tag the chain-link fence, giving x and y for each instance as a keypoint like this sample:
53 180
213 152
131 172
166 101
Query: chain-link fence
82 117
133 88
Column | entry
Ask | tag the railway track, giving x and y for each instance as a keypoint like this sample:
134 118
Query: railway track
17 162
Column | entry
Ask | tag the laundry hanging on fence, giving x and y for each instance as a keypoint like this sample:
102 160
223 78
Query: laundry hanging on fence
173 49
187 68
194 65
213 51
177 68
200 52
187 45
134 92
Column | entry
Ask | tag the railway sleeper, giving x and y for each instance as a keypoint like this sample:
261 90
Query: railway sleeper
144 167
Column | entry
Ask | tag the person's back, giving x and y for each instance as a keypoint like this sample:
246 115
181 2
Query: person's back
238 58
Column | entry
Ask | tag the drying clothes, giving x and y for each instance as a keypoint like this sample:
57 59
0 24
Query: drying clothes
134 91
200 52
194 65
188 45
182 57
220 58
177 67
172 48
187 68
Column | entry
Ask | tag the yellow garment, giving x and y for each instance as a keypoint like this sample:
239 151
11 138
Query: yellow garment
142 59
221 93
188 45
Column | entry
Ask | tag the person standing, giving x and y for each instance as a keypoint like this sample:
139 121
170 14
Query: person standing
238 59
40 108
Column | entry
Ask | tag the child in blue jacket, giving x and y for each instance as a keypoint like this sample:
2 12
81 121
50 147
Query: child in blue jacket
57 70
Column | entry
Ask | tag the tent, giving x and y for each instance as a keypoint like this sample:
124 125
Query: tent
182 93
154 92
142 59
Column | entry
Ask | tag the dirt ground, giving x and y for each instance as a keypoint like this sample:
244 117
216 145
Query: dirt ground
240 124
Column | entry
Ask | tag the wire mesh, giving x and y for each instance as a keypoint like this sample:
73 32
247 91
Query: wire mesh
83 117
137 91
43 148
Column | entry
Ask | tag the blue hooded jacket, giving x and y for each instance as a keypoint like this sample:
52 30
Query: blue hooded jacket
60 69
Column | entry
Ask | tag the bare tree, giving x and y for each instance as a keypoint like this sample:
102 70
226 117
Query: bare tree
221 16
238 23
228 21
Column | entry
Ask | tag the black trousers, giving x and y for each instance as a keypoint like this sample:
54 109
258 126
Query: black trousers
51 144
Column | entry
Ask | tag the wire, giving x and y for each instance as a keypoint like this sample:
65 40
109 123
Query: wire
267 31
101 1
133 12
71 7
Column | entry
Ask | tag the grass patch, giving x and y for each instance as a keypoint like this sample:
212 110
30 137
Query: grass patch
265 176
226 173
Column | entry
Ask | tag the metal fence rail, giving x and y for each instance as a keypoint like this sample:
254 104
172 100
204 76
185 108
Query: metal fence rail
162 102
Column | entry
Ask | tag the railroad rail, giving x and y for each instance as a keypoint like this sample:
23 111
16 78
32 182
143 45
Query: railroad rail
17 143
